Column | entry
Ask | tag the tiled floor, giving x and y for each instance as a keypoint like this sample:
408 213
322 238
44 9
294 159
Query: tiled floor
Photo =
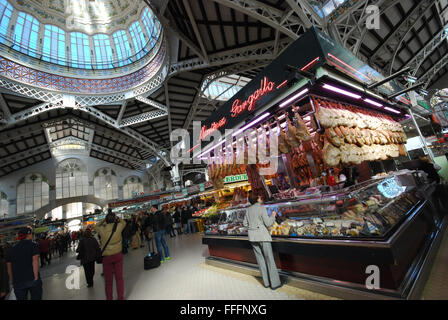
186 276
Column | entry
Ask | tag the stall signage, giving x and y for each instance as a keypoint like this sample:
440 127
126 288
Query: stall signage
185 192
178 195
239 107
213 127
201 187
237 178
41 229
131 202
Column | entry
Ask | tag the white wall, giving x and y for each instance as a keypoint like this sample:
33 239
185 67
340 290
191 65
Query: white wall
8 184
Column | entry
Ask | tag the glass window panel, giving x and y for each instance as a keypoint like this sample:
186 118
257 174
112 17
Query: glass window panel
80 49
122 47
54 45
103 51
5 17
138 39
26 34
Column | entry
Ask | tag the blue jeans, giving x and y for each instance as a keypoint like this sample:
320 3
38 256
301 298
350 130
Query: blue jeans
187 227
34 287
161 241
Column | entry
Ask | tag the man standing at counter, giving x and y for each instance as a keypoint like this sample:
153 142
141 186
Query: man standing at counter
257 221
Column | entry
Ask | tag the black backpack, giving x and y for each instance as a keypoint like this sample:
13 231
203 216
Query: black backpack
127 231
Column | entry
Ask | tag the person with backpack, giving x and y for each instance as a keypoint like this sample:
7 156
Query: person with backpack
109 230
158 226
88 252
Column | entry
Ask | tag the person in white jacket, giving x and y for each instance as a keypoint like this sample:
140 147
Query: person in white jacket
257 221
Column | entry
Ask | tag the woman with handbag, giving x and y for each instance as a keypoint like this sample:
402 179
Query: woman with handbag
88 252
109 231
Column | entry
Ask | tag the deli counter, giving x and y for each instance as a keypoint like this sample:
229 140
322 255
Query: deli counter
332 237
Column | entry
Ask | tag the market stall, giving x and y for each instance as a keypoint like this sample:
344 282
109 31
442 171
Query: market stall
325 131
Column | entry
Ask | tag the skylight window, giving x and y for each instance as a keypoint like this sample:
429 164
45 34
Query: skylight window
103 51
54 45
5 17
138 39
225 88
152 26
326 7
122 47
80 50
26 34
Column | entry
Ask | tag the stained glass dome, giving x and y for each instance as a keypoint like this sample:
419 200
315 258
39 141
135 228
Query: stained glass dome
84 34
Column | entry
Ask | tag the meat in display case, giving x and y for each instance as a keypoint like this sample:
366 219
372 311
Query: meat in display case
371 210
388 222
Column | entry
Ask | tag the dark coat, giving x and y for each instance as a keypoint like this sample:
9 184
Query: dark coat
89 250
185 215
176 216
158 221
4 278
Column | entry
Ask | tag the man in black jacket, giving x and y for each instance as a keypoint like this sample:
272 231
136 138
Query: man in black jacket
184 216
158 223
89 251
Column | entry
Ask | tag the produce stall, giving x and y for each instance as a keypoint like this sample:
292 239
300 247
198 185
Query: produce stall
316 122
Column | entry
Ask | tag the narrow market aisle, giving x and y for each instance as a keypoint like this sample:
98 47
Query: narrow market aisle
185 276
436 287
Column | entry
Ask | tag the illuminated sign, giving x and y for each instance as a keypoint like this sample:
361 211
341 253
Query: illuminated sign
214 126
239 107
237 178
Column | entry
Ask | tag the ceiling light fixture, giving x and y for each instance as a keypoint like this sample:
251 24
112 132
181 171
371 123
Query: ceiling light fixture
392 110
373 103
252 123
293 98
341 91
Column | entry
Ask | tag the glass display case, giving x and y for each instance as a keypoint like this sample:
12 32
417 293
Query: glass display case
373 209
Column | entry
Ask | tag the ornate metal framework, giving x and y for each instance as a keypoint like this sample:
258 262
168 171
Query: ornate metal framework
211 77
277 19
263 51
390 47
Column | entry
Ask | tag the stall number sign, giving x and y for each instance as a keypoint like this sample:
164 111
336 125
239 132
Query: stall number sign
185 192
237 178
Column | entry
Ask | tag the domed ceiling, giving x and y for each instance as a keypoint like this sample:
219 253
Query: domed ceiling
88 16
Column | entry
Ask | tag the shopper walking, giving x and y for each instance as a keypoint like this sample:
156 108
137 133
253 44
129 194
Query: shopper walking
44 251
60 245
23 267
88 252
257 221
176 218
4 279
111 228
158 227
